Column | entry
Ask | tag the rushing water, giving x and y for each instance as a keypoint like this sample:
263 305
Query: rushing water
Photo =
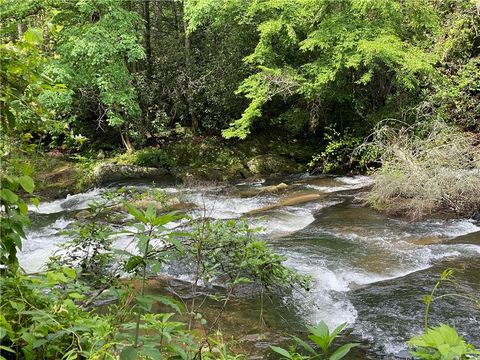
368 270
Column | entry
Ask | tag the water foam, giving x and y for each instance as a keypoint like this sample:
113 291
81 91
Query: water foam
346 183
70 203
40 244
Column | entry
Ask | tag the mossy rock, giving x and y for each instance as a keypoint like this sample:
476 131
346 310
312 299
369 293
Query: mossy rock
171 204
108 172
269 164
58 179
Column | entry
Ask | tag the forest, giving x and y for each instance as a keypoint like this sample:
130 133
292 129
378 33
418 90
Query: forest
240 179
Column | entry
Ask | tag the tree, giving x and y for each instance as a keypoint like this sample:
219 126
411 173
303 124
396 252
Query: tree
334 58
100 40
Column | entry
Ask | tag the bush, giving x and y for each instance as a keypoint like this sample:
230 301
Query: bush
338 153
426 167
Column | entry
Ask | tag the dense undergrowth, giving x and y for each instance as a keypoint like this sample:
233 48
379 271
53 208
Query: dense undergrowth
427 168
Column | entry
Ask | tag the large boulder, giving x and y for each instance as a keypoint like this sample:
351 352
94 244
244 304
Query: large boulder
268 164
57 178
107 172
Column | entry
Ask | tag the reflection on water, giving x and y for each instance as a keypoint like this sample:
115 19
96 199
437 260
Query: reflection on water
368 270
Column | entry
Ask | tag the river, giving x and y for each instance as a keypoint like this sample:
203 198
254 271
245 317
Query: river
368 270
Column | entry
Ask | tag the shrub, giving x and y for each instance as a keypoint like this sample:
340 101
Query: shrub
339 152
425 168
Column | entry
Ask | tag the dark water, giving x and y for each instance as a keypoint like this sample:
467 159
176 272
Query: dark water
368 270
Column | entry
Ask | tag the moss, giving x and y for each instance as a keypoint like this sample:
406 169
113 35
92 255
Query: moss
57 177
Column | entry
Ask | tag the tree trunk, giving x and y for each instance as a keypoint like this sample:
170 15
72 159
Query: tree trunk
188 71
148 42
20 30
126 141
157 20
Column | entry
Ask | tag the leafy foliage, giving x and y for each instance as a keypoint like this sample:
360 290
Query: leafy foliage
90 248
320 335
336 53
441 342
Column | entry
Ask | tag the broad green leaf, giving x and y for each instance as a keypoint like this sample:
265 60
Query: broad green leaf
136 213
70 272
22 207
33 36
27 183
9 196
151 352
133 263
281 351
342 351
128 353
305 345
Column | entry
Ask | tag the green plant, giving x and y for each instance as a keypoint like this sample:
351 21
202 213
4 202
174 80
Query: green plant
149 228
89 249
44 317
320 335
13 217
442 342
338 151
230 251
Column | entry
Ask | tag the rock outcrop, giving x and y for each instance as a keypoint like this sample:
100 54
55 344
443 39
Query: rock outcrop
107 172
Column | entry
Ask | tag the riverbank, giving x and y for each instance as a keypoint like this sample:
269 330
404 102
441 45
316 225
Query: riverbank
189 161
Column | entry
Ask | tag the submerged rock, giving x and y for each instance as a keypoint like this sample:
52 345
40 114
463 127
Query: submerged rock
83 215
290 201
162 206
107 172
428 240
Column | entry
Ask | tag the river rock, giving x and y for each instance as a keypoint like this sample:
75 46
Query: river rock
107 172
290 201
264 190
173 204
471 238
428 240
58 178
271 164
83 215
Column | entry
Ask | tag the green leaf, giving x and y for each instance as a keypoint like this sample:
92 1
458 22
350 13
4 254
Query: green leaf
281 351
128 353
6 348
35 201
305 345
342 351
33 36
151 212
136 213
70 272
176 305
22 207
133 263
27 183
9 196
151 352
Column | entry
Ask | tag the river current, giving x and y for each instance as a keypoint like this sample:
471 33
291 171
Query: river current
368 270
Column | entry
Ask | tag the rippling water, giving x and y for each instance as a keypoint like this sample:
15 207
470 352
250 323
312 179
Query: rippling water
368 270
